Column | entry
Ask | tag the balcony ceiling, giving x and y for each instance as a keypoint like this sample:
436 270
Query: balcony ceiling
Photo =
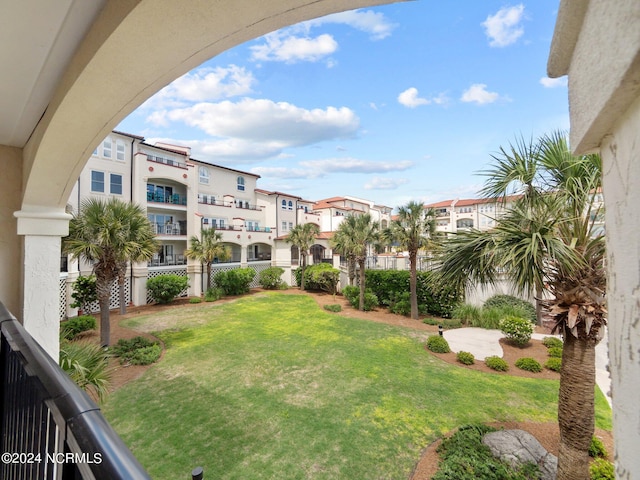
37 40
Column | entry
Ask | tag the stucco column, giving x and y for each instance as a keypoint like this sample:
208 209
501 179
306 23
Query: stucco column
621 167
42 228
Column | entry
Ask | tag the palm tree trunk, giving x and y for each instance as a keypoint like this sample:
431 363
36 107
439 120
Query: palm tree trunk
208 276
103 288
576 411
361 262
351 267
121 294
304 265
413 282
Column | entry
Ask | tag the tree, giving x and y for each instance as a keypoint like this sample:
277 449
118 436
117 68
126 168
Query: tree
208 249
109 234
414 229
303 236
356 233
548 240
342 242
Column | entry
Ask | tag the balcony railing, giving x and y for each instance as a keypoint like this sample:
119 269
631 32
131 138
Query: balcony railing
211 201
166 161
258 229
50 428
168 229
174 199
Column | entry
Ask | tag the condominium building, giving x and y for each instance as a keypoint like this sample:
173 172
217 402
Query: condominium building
183 195
478 213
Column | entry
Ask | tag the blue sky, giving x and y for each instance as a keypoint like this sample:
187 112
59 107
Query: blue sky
395 103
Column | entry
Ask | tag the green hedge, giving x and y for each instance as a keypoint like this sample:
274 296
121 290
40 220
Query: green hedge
434 298
236 281
320 276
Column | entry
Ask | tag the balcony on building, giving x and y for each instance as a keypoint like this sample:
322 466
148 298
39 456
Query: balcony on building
166 194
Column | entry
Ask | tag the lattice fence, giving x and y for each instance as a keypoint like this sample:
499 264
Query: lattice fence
94 307
181 272
256 266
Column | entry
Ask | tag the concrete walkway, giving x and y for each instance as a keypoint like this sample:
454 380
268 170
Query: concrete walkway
483 343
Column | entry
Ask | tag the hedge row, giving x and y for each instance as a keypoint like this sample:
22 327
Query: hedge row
434 298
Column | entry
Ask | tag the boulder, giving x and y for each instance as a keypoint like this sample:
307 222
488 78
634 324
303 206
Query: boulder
517 447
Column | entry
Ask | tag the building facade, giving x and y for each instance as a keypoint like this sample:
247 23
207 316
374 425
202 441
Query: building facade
182 196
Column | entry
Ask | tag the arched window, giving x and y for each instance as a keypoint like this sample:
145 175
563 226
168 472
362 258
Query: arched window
204 174
241 184
284 204
290 205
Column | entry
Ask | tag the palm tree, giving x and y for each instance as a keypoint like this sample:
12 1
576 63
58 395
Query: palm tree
357 233
303 236
109 234
342 242
547 241
207 249
413 229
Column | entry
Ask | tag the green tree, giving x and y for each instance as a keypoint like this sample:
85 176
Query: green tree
356 233
109 234
413 230
207 249
548 241
303 236
342 242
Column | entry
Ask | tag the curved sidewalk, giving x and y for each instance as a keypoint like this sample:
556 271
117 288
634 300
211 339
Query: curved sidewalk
484 343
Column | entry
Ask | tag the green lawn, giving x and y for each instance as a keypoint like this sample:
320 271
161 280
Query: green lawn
273 387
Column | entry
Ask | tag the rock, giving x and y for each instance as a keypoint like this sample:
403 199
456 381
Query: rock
517 447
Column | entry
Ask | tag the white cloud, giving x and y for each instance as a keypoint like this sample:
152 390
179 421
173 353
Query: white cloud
284 172
477 93
204 84
262 120
410 98
504 27
255 129
384 183
353 165
553 82
281 46
373 23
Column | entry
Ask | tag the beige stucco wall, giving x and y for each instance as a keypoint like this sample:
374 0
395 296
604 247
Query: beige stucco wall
621 160
10 243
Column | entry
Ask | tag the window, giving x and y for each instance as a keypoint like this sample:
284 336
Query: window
97 181
115 186
204 174
106 148
284 226
284 204
290 205
241 183
290 225
120 151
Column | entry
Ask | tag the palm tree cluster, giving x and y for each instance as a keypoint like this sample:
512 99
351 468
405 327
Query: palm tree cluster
207 249
548 243
303 236
109 234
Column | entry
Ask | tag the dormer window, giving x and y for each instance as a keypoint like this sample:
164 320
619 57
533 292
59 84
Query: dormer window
241 184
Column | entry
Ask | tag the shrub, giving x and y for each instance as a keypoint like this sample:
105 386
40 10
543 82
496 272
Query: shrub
75 326
271 278
445 322
490 318
195 300
597 448
213 294
466 358
552 342
468 314
496 363
370 301
351 293
464 457
334 307
236 281
164 288
137 351
555 352
601 469
554 364
526 309
529 364
438 344
401 304
87 364
84 292
518 330
319 276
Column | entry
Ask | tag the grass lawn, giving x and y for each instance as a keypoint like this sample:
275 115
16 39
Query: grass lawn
272 386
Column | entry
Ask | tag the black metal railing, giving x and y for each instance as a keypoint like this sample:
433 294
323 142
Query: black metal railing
50 429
